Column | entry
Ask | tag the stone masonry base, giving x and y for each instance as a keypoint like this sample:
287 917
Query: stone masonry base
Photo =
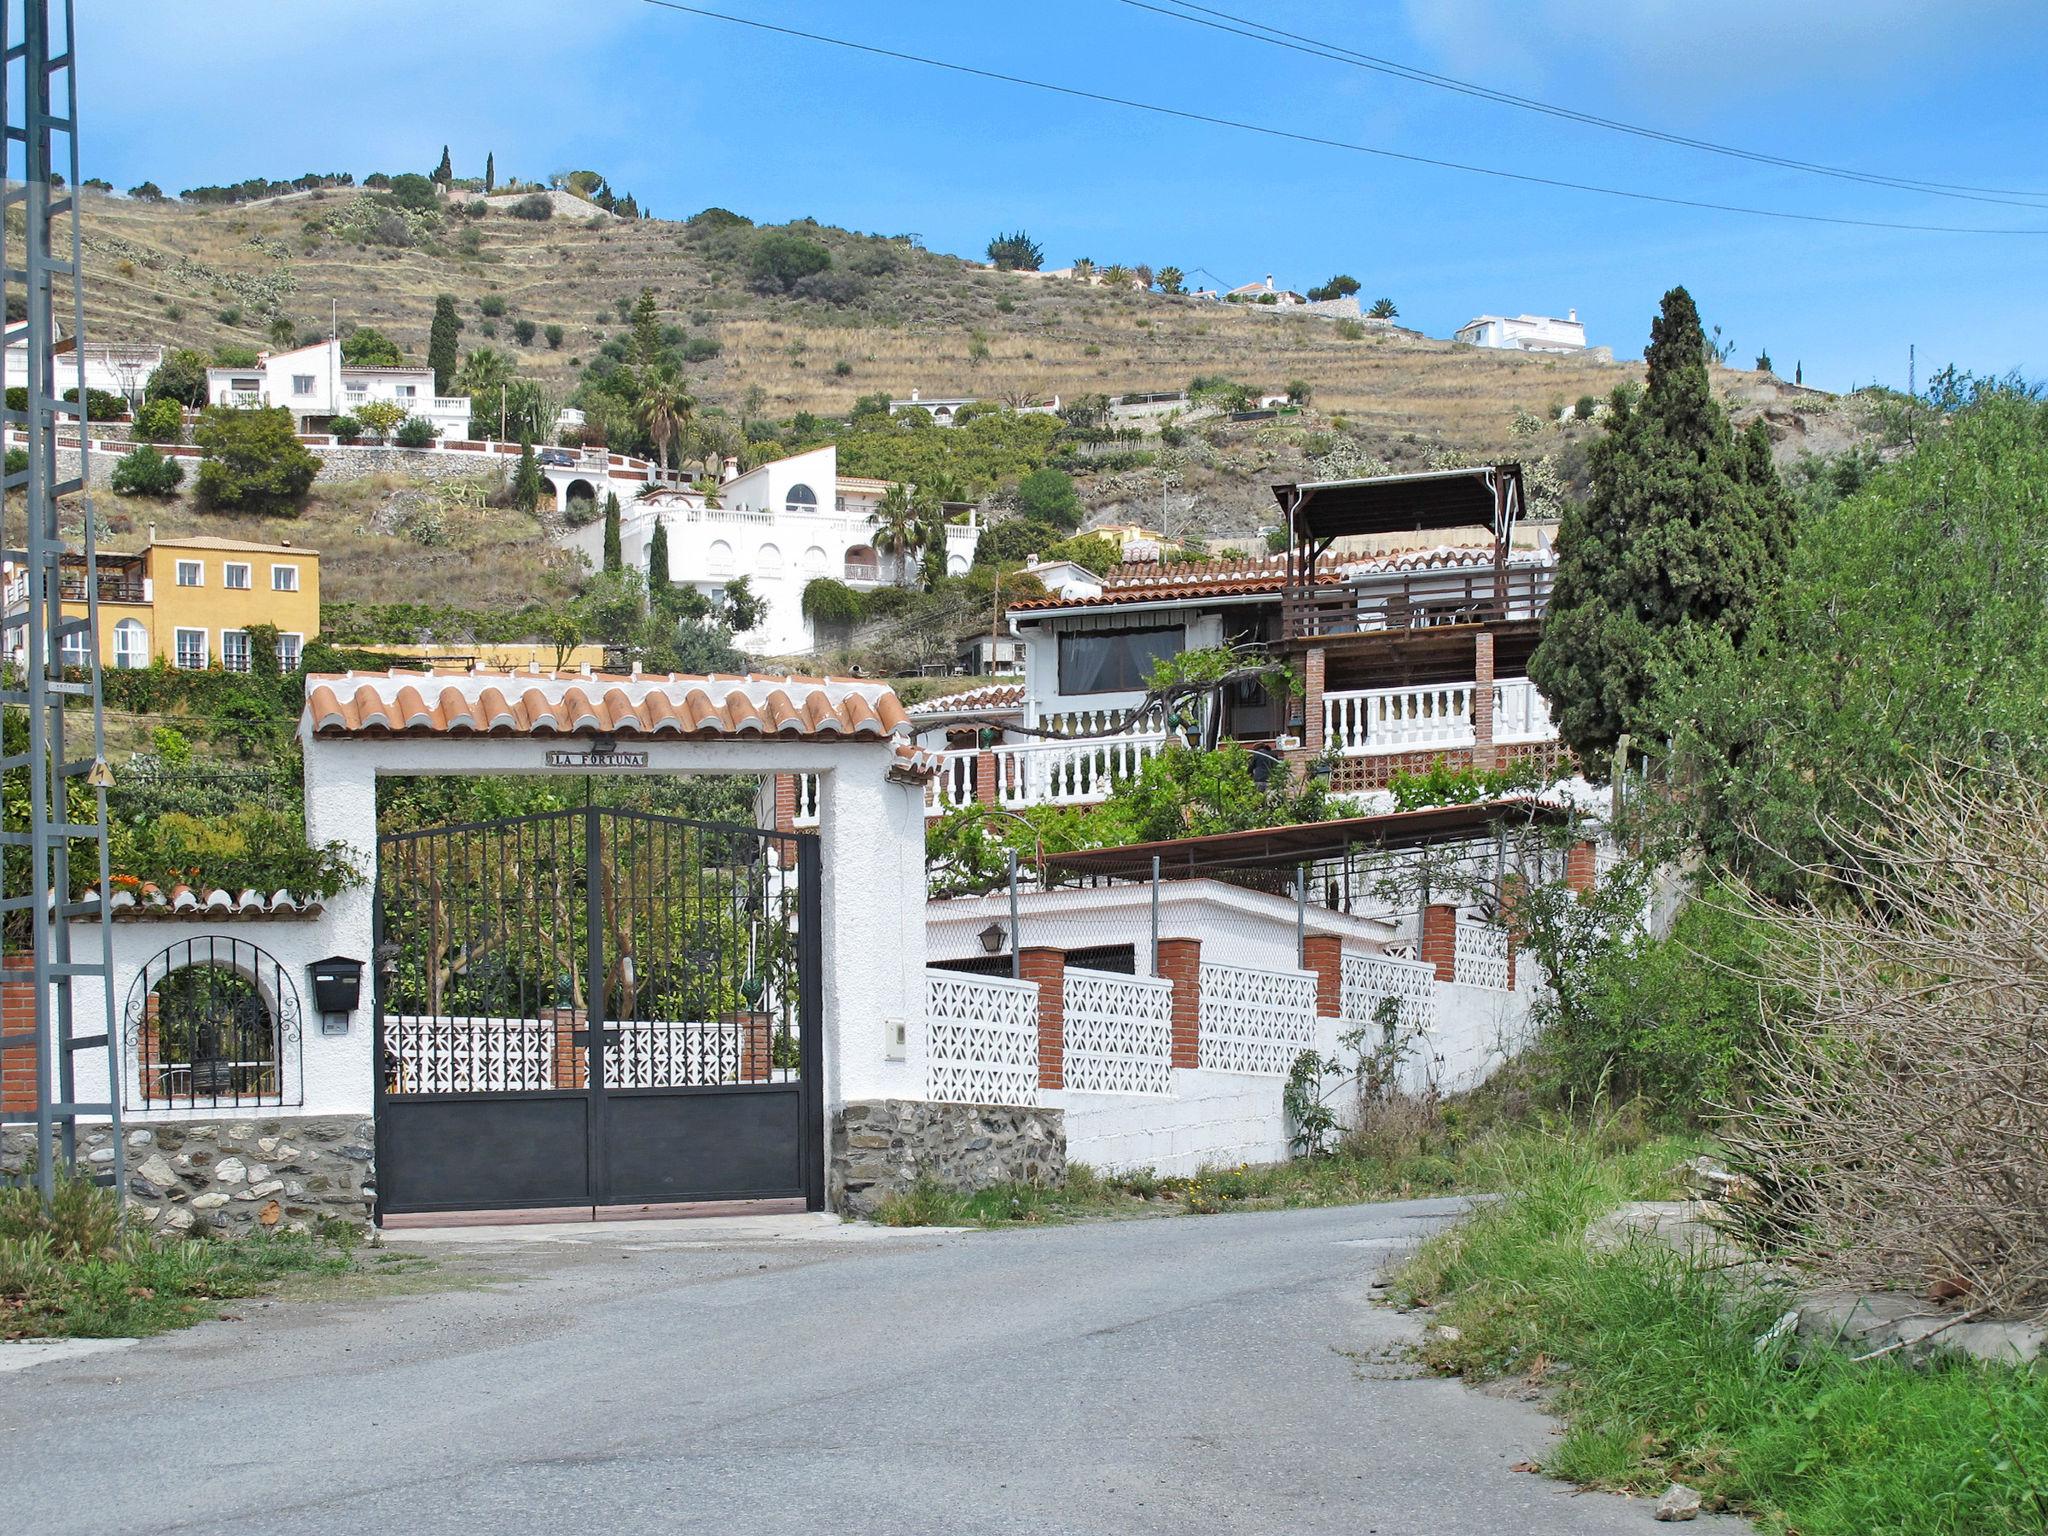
233 1176
880 1147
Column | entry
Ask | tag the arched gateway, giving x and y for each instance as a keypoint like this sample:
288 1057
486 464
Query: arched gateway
601 1007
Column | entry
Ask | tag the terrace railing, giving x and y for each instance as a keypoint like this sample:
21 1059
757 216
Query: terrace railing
1369 720
1417 600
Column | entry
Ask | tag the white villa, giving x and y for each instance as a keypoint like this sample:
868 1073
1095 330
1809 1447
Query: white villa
779 525
1526 333
115 367
316 386
944 412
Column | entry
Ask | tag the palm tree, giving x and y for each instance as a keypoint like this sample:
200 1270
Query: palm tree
663 410
896 523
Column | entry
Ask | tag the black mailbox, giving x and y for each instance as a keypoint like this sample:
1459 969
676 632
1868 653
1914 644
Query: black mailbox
337 984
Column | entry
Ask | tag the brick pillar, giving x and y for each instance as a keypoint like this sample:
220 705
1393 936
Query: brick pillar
1048 969
1180 962
18 1017
1579 868
1440 939
1510 895
1323 953
985 777
1484 757
785 802
1314 667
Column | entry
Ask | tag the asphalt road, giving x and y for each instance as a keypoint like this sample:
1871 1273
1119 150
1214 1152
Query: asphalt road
1218 1374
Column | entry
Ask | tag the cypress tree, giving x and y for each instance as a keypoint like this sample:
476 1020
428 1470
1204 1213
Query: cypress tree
646 329
1686 529
441 343
614 556
527 481
445 171
657 566
490 172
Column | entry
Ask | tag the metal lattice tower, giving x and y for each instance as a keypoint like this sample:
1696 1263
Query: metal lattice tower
67 796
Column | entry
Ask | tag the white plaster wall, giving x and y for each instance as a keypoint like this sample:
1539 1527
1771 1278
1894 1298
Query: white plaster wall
1477 1031
1211 1119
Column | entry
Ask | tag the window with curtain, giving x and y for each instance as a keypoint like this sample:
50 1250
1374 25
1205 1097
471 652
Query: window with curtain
1116 660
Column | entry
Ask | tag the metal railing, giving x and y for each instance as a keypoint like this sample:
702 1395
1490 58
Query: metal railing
1417 600
111 589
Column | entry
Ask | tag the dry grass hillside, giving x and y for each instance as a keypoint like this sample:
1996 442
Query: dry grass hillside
207 276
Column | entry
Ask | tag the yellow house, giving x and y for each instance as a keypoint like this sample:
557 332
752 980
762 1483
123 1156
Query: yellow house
191 602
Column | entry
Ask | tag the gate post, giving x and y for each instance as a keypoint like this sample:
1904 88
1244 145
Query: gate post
341 807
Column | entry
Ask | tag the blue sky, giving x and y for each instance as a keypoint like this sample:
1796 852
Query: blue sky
687 112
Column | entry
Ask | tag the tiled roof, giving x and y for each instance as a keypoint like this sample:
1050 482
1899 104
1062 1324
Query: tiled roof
139 903
992 696
1148 581
207 541
641 705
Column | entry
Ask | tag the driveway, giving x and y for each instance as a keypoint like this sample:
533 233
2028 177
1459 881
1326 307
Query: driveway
1215 1374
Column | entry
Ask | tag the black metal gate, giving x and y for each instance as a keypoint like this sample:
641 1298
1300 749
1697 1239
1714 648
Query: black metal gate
597 1007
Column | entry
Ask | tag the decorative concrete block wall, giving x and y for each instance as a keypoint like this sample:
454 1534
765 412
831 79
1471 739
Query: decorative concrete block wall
881 1147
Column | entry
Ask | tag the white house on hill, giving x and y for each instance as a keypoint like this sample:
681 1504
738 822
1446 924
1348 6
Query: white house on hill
1526 333
779 525
316 386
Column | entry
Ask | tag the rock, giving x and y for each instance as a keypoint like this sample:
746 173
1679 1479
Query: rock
270 1214
178 1218
212 1202
267 1187
266 1144
140 1138
230 1170
1679 1503
156 1172
1684 1226
1447 1333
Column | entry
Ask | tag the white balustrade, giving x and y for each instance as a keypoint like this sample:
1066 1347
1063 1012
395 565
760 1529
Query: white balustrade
1372 720
1069 772
806 800
1073 722
981 1039
1256 1020
1481 954
1118 1036
953 785
1520 712
1369 980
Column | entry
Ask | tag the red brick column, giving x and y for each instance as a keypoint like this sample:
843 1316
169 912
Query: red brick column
1180 962
1484 758
1510 894
1579 867
1440 939
985 777
1048 969
18 1017
785 802
1323 953
1314 668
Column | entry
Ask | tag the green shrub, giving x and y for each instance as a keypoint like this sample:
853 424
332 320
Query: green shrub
1048 496
492 304
345 428
534 205
831 603
415 432
254 461
554 334
160 421
777 261
523 332
147 472
251 848
99 405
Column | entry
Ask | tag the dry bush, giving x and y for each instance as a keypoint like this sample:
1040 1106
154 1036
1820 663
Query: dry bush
1901 1120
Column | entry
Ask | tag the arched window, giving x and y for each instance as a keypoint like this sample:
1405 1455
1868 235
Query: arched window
214 1022
769 561
718 558
814 561
131 645
801 498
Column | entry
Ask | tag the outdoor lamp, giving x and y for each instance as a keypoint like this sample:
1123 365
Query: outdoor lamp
992 938
751 989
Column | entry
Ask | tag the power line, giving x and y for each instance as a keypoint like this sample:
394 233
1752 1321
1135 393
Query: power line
1293 136
1277 37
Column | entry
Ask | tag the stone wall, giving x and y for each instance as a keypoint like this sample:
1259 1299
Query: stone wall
233 1176
880 1147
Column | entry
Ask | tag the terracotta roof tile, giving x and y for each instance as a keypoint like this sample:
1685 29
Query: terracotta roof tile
644 705
990 696
1148 581
132 903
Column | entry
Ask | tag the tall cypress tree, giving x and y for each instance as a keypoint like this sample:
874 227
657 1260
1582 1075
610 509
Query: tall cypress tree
490 171
658 591
445 171
527 481
441 343
1686 528
614 556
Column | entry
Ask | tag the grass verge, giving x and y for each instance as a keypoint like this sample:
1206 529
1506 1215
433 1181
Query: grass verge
76 1271
1666 1379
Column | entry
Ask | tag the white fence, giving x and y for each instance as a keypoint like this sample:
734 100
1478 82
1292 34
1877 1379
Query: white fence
1119 1033
1520 713
1256 1020
1068 772
1370 979
1481 955
1372 720
981 1039
431 1054
952 786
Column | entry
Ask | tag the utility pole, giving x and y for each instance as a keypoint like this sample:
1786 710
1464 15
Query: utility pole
501 413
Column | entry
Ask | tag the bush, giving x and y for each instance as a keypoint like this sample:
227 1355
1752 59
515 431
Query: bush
413 192
254 461
346 429
492 304
160 421
523 332
829 603
840 288
99 405
1048 496
147 472
554 334
534 205
415 432
776 261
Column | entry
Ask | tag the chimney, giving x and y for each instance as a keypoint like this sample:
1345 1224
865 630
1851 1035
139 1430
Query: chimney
913 394
1269 282
729 470
1572 315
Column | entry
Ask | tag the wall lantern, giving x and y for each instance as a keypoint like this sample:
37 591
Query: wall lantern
337 988
992 938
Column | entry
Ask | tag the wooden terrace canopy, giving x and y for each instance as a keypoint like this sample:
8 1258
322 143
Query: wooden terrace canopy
1428 501
1313 842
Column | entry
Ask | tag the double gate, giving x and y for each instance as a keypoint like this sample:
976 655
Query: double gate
597 1007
